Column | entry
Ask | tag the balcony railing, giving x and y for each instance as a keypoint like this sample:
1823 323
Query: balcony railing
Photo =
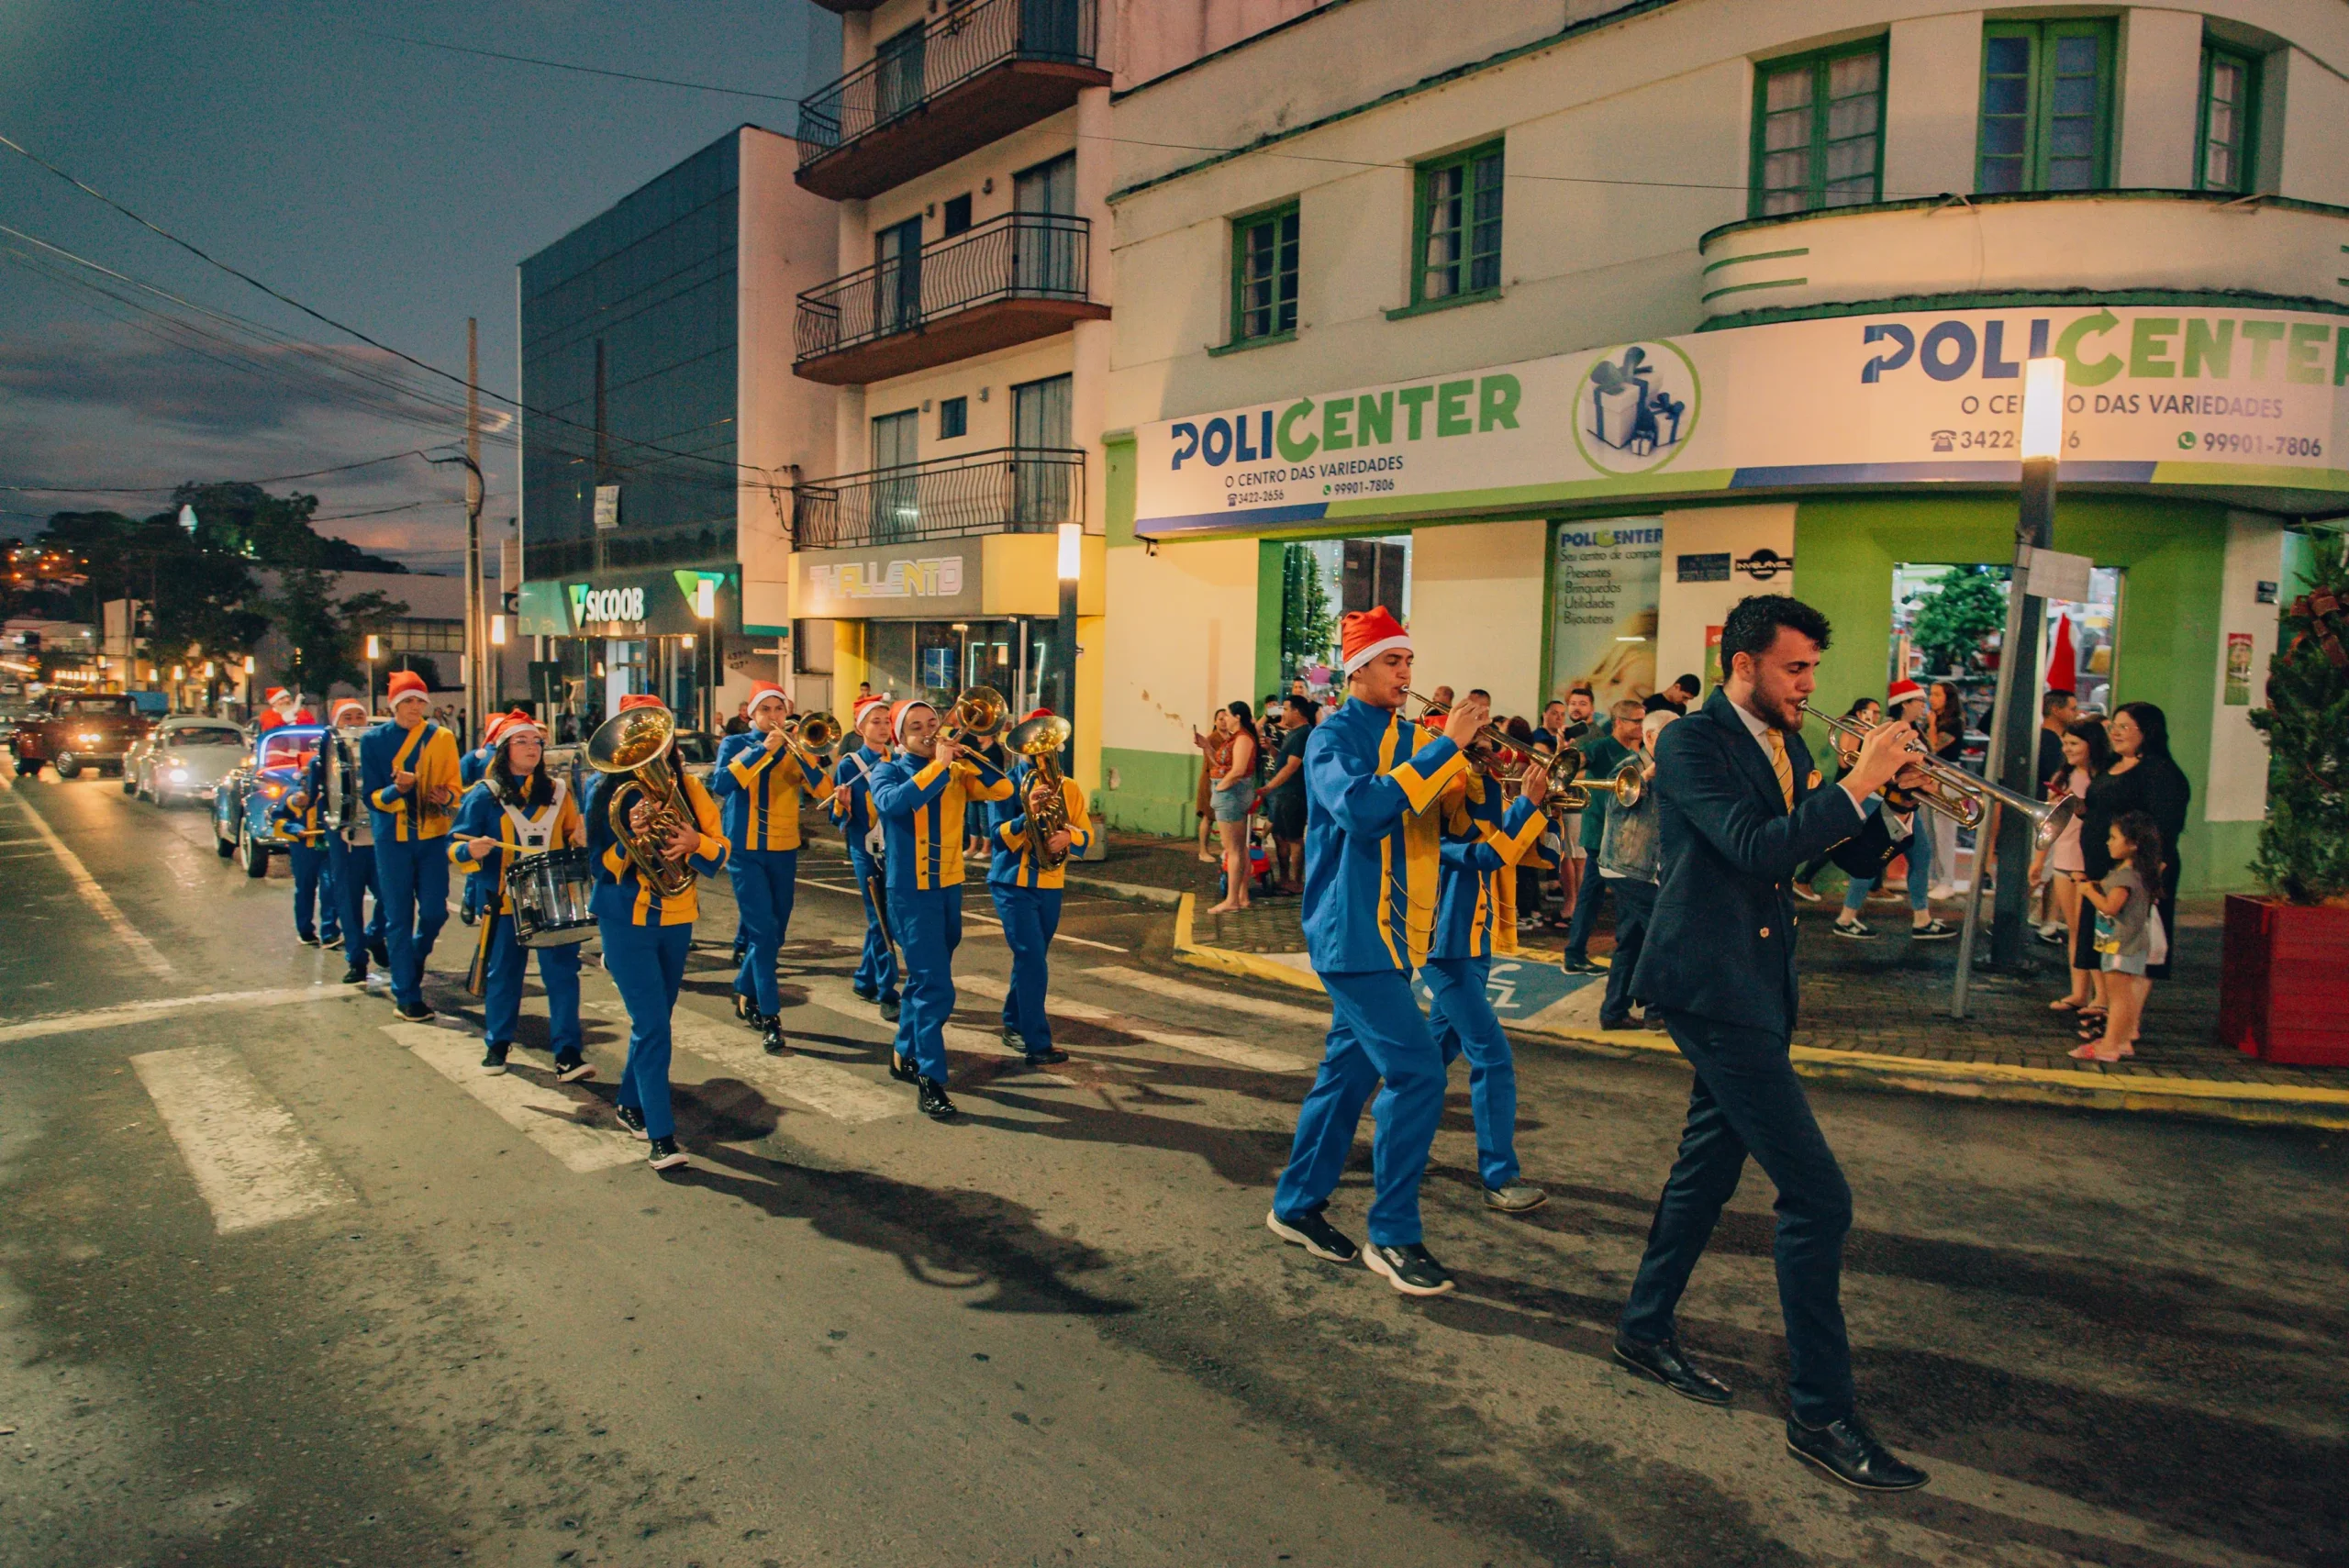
1009 280
1009 489
997 64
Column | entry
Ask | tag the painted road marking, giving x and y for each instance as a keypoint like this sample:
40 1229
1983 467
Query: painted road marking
858 893
835 995
1211 997
1219 1046
139 1012
822 1086
249 1159
150 958
544 1115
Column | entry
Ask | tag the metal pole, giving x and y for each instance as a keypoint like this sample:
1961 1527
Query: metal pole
476 626
1065 655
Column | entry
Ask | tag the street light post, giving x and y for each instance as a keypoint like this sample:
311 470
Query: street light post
2013 710
374 651
1072 567
474 639
706 611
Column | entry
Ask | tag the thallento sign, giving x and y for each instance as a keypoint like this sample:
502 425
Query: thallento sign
2155 395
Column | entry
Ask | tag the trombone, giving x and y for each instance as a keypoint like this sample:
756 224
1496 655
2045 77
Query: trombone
811 736
1951 790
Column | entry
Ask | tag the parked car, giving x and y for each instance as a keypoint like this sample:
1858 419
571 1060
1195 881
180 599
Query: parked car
73 730
244 806
183 758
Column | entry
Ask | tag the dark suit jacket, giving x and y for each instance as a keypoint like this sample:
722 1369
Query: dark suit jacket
1721 942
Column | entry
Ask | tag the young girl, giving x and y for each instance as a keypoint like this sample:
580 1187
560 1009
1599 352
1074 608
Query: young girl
2123 905
2086 755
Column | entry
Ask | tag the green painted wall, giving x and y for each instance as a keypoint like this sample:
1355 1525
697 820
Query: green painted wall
1117 471
1153 792
2173 554
1268 620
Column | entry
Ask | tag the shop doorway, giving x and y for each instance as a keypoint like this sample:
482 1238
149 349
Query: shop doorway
1322 579
936 660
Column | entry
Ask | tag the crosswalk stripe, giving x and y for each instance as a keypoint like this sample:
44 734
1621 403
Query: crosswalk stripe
835 995
249 1159
1219 1046
139 1012
1210 996
539 1112
822 1086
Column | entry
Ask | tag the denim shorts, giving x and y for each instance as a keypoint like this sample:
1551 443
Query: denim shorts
1231 804
2124 963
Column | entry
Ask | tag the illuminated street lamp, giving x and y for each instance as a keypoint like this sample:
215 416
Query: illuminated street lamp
374 651
1070 563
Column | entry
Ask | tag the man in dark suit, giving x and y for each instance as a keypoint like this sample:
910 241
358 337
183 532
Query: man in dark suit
1741 808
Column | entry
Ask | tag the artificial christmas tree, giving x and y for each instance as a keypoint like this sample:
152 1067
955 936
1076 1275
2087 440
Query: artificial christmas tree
2284 983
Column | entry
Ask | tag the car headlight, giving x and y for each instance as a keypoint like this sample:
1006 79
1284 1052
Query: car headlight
87 740
272 789
179 775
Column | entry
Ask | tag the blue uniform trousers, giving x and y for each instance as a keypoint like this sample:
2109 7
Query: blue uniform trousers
646 963
1634 904
314 889
876 967
509 965
415 880
352 868
1375 1032
929 923
1461 1018
764 883
1030 915
1747 1100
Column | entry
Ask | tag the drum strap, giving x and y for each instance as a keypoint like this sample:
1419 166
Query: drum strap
875 842
535 833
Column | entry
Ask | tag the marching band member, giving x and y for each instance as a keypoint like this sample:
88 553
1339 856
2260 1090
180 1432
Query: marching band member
1026 896
335 800
517 808
646 937
469 768
758 782
1475 919
876 966
407 766
919 796
313 868
1372 783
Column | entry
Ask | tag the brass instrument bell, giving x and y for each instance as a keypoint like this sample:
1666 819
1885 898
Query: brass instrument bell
638 746
977 717
1040 740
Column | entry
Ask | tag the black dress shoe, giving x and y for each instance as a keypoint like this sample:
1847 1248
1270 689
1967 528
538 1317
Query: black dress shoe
902 1069
889 1010
415 1012
1574 963
1051 1056
1850 1452
746 1008
1625 1022
770 1035
933 1102
1666 1363
381 953
355 975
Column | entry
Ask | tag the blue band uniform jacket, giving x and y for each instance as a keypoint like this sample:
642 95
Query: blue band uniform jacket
922 805
1475 914
483 815
1014 861
621 893
1373 839
1721 942
405 815
851 802
758 792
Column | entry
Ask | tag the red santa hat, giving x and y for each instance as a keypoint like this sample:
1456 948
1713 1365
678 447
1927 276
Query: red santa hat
1041 713
1366 634
899 711
343 706
635 700
763 691
404 684
505 726
2062 662
276 695
863 706
1901 691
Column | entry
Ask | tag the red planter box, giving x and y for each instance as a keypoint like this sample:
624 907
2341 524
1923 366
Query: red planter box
2284 982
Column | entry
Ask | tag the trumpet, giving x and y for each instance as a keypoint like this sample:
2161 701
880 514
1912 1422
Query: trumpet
1492 735
1627 784
1950 789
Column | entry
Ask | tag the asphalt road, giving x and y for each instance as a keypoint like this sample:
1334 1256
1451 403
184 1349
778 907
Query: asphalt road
280 1283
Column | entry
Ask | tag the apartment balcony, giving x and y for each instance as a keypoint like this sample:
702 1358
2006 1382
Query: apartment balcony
975 74
1010 280
1970 250
1024 490
849 7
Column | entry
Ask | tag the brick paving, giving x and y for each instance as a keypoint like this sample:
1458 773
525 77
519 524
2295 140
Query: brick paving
1887 996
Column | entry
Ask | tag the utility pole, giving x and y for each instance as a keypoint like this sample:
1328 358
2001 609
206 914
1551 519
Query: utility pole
476 624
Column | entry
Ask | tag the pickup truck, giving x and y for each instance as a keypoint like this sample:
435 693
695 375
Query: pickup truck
73 730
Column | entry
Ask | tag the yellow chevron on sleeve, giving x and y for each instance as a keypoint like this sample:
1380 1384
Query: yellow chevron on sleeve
1422 789
1514 847
758 756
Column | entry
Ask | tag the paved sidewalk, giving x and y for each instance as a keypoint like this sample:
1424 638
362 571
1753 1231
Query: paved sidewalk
1875 1008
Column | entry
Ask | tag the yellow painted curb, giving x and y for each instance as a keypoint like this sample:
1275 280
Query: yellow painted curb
2272 1104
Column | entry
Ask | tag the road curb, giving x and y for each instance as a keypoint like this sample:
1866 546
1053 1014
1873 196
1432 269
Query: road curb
2273 1105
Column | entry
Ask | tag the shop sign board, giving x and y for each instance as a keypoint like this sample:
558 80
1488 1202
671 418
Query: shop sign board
926 581
656 604
1603 590
2155 395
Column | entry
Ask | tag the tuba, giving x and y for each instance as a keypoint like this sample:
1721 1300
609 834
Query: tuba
1039 739
636 745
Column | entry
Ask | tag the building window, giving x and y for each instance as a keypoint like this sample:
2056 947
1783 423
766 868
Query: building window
1457 226
2046 105
2227 142
1818 130
953 417
1263 275
956 217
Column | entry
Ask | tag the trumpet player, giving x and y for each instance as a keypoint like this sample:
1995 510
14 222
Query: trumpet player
1024 878
761 777
920 796
875 980
647 934
407 766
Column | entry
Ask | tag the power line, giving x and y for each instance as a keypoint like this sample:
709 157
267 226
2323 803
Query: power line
562 65
167 489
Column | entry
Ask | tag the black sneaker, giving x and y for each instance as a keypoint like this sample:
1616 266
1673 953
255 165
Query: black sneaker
493 1061
630 1118
1575 963
664 1154
770 1035
305 939
465 913
1316 1235
1051 1056
355 975
380 954
415 1012
572 1070
746 1008
1409 1269
1850 1453
902 1069
1013 1043
889 1010
1933 931
862 994
1858 930
932 1102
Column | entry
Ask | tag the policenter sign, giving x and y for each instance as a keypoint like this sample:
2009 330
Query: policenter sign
2155 395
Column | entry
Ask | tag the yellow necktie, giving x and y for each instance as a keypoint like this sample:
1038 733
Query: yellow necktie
1780 765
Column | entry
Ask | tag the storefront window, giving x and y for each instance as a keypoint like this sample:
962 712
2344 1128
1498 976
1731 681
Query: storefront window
1947 621
1322 579
1605 579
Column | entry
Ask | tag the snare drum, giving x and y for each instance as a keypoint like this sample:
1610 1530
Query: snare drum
550 892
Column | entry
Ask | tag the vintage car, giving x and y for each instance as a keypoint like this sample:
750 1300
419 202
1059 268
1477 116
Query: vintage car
244 807
73 730
183 758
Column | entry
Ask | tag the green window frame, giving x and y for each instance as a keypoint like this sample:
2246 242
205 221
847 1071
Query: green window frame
1263 275
2046 122
2226 122
1818 129
1457 227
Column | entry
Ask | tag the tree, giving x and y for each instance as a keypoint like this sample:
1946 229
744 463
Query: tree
275 531
327 634
192 597
2303 853
1307 626
1965 606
